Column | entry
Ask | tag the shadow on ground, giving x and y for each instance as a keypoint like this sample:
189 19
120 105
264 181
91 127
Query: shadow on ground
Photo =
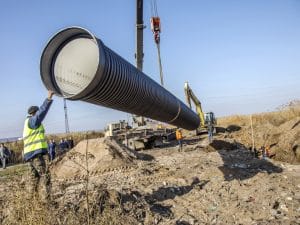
233 128
165 193
161 194
239 163
144 156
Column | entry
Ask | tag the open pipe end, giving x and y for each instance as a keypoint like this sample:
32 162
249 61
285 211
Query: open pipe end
78 66
70 62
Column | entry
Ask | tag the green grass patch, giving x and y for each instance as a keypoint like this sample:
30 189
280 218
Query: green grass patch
13 171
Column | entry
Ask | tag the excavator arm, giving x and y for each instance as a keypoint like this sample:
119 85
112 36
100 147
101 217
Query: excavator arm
189 94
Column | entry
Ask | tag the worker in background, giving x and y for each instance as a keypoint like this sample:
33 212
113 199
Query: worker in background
263 151
251 150
36 149
66 144
255 153
210 130
179 138
70 143
267 149
12 156
270 154
51 147
3 155
63 145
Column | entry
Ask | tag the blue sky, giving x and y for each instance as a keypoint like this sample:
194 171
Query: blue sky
239 57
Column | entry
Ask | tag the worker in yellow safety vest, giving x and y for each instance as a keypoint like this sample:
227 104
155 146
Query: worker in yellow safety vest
179 138
36 148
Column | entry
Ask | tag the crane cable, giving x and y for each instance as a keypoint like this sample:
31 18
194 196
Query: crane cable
154 8
160 65
155 27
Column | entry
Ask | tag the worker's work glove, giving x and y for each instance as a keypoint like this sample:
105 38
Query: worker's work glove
50 95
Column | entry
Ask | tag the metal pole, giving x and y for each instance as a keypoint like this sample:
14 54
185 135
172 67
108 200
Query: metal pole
66 117
252 133
139 55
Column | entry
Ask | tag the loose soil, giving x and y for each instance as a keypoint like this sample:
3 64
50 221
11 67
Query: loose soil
280 130
218 183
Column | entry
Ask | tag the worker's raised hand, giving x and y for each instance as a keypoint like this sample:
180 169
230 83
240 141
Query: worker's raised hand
50 94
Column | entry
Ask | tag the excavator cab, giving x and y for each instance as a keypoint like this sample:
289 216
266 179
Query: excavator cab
209 118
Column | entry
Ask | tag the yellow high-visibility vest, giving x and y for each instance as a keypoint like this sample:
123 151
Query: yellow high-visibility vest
34 139
178 135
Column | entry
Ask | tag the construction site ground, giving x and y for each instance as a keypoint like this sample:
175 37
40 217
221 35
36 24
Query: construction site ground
218 183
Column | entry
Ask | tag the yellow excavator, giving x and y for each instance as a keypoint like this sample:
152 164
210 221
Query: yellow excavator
207 120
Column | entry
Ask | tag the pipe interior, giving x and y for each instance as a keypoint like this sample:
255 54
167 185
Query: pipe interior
76 65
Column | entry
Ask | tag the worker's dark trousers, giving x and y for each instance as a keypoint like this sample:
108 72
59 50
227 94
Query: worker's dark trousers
180 145
52 154
3 161
210 137
39 177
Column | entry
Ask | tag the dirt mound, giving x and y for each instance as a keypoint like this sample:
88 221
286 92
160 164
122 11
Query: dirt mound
95 154
279 130
287 146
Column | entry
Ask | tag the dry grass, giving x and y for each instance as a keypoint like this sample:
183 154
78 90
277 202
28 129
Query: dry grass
13 172
17 146
27 210
276 118
88 205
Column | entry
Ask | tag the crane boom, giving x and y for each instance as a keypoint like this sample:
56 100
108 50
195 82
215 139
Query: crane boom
139 55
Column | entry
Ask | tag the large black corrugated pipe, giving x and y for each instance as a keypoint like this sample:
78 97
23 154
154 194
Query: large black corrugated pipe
78 66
